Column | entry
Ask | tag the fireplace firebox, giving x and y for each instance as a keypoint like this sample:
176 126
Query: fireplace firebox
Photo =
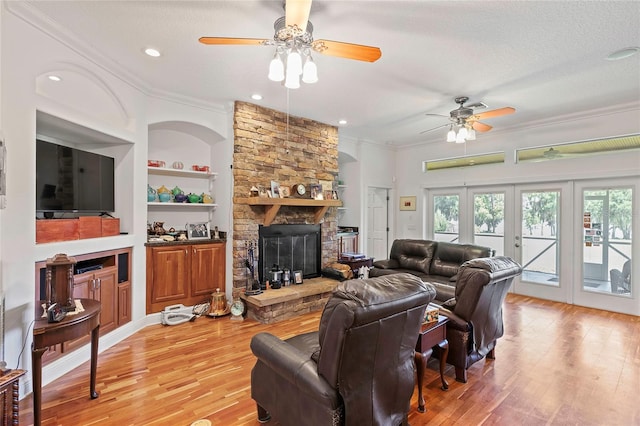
297 247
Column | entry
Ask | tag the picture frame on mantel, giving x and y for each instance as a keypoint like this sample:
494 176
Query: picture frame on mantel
408 203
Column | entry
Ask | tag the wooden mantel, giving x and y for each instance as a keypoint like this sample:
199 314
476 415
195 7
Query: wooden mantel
272 205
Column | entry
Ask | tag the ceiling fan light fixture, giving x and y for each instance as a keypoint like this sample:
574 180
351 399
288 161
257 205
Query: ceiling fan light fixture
451 135
294 62
276 68
462 133
292 81
471 134
310 71
459 139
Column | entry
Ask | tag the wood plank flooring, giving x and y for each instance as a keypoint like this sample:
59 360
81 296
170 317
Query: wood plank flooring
556 364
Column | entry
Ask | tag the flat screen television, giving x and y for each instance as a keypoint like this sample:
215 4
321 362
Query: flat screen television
72 180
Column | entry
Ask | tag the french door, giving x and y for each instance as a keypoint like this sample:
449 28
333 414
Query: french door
542 223
573 239
523 222
603 238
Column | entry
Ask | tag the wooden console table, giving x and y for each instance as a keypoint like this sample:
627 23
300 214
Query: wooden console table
47 334
9 414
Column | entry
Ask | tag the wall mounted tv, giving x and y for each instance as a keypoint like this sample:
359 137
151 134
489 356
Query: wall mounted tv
72 180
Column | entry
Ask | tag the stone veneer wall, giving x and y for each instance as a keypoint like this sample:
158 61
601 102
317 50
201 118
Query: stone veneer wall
264 150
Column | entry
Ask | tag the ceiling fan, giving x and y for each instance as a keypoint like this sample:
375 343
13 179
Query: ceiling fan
466 121
294 41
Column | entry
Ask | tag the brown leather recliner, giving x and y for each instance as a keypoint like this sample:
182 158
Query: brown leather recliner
475 315
358 369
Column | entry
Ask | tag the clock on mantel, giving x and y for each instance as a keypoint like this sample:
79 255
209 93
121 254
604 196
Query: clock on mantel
299 190
272 205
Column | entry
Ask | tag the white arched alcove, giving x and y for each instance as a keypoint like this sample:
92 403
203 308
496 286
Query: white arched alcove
82 96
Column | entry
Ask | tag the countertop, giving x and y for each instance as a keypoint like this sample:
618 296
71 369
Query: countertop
183 243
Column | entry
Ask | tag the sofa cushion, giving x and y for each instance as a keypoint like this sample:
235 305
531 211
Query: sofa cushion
413 254
449 256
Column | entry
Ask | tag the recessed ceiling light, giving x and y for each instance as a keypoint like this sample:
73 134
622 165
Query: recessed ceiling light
54 78
152 52
342 122
623 53
256 97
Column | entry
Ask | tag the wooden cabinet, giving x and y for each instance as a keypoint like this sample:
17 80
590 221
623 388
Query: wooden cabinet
100 286
124 303
107 280
184 273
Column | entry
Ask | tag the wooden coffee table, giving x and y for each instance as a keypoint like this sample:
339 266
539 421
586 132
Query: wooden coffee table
431 335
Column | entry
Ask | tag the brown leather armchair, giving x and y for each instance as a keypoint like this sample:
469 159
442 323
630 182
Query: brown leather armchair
475 315
358 369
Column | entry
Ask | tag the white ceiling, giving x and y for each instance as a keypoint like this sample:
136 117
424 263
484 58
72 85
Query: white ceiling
544 58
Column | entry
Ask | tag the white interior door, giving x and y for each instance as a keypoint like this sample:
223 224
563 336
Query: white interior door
377 223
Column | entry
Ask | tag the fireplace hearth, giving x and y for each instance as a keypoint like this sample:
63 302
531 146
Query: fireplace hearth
296 247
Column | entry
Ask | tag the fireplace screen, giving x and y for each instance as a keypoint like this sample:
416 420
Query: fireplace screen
296 247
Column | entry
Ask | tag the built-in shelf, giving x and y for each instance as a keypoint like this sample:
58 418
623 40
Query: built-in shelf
181 205
162 171
272 205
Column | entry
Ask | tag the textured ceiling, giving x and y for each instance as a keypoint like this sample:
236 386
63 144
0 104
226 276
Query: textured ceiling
544 58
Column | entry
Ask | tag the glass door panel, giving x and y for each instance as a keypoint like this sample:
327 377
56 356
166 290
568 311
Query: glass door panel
607 240
488 220
539 233
446 209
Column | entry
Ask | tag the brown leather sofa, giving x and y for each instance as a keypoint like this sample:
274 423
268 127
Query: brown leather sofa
436 262
358 369
475 314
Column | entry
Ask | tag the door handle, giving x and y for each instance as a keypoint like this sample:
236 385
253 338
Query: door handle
517 244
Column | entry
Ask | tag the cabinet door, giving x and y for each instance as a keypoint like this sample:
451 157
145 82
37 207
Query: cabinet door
124 303
168 276
106 292
207 269
83 286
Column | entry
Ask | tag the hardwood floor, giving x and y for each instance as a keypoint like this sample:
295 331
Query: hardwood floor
556 365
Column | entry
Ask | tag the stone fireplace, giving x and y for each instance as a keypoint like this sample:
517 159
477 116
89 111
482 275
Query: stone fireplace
269 146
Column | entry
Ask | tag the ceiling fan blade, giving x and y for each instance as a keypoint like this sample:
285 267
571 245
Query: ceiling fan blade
347 50
435 128
230 40
297 13
481 127
436 115
494 113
